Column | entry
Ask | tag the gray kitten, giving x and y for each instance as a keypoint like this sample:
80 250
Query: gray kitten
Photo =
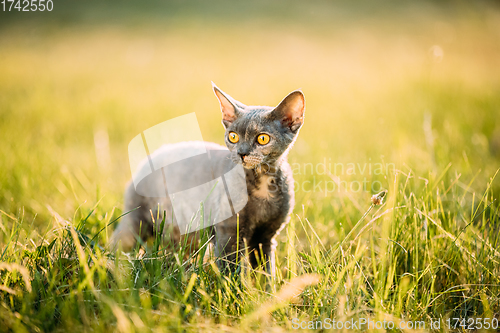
258 138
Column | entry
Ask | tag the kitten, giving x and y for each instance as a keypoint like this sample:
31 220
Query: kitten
257 138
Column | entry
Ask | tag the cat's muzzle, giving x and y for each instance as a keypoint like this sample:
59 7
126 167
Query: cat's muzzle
251 162
248 161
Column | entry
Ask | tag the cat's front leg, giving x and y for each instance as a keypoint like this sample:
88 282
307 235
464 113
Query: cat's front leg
271 262
263 244
263 252
229 246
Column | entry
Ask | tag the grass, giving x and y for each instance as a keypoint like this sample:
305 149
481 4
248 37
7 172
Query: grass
400 97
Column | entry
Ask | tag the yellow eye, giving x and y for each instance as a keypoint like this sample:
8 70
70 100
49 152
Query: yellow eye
263 139
233 137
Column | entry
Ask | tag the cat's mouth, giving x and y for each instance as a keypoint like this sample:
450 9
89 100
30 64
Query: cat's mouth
251 162
248 162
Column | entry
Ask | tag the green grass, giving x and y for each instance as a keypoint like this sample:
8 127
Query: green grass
414 88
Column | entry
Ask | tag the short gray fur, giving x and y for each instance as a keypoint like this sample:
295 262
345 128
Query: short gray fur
268 175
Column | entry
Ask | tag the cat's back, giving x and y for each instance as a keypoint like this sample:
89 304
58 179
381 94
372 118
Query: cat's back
180 165
181 153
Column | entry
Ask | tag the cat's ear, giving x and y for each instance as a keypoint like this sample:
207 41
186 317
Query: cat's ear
291 110
228 106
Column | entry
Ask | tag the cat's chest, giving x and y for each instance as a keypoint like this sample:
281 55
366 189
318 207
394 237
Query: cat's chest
265 189
268 198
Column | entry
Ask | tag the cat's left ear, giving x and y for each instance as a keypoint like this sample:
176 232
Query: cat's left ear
291 110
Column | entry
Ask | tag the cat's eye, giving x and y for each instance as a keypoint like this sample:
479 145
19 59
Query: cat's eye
263 139
233 137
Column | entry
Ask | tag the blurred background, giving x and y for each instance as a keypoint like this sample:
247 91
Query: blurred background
411 84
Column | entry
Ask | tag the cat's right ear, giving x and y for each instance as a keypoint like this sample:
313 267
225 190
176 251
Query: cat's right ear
227 106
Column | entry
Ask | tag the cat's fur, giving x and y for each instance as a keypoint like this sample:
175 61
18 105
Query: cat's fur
268 176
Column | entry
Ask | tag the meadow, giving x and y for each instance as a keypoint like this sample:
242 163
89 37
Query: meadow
403 97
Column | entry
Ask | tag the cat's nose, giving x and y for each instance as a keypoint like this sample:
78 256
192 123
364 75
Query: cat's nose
243 150
243 155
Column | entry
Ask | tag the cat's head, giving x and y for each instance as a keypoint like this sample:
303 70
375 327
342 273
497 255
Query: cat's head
260 135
